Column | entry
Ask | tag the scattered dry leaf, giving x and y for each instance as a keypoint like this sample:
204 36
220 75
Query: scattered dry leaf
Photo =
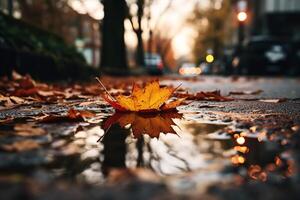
207 96
72 115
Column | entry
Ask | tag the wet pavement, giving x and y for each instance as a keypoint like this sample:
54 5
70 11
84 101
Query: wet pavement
241 149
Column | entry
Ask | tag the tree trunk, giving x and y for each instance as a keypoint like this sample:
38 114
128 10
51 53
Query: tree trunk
113 54
140 47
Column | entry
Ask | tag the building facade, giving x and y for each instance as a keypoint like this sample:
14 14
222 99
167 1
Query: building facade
276 17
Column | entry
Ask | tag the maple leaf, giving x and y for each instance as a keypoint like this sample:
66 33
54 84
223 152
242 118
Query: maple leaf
151 98
151 124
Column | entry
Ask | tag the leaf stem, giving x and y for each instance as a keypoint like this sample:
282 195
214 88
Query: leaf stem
102 85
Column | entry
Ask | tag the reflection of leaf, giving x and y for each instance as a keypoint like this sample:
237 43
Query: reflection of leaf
28 130
146 123
150 98
24 145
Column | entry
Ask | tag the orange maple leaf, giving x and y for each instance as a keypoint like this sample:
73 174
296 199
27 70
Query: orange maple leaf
151 124
151 98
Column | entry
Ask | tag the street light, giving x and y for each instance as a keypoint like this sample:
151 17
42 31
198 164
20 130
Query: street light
242 16
209 58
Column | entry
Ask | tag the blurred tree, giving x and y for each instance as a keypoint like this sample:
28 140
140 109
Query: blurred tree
213 27
113 56
143 12
138 30
160 41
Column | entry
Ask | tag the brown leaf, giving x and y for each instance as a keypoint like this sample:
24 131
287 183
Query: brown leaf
212 96
25 92
10 101
16 100
72 115
206 96
26 82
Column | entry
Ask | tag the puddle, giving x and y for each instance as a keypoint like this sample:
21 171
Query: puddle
188 152
172 146
165 143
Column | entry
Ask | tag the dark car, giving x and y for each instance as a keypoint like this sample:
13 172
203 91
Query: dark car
154 64
263 56
295 58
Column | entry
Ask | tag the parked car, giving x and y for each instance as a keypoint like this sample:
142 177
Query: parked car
154 64
263 56
295 58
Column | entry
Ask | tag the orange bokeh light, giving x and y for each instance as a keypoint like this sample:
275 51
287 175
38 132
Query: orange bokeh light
242 16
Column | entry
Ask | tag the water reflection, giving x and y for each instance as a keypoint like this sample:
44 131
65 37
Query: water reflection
151 124
263 159
114 148
143 140
121 150
162 142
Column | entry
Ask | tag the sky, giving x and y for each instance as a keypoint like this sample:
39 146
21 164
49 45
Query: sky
173 21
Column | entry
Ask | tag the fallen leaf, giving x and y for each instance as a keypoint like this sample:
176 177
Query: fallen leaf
10 101
16 100
148 99
173 104
45 93
207 96
25 92
6 101
214 95
26 82
72 115
151 124
15 75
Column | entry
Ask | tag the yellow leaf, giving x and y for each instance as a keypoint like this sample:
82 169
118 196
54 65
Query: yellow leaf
150 98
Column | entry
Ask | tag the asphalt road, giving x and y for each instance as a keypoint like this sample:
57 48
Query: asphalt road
272 87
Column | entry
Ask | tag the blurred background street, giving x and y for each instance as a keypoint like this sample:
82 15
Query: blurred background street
150 37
